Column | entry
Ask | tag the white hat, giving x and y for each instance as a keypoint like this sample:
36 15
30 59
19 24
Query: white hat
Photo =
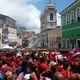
52 63
18 54
27 77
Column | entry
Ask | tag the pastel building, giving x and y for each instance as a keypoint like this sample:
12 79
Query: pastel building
70 18
8 29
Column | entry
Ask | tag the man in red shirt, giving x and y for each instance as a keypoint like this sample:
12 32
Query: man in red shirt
43 66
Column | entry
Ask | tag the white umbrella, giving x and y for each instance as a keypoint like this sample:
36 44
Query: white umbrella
7 47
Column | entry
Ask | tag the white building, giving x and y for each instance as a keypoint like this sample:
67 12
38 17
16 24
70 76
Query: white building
20 35
9 31
33 40
0 37
58 19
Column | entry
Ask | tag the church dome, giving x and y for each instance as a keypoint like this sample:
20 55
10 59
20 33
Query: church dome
50 5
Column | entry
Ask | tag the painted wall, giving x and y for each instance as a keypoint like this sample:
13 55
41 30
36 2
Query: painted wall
71 30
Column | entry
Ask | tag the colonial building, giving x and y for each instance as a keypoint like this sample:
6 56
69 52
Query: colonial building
26 34
33 40
9 31
50 32
20 35
0 37
70 18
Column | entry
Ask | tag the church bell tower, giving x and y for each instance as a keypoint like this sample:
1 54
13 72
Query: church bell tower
48 17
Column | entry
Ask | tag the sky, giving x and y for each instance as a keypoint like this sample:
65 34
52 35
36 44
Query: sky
27 12
60 4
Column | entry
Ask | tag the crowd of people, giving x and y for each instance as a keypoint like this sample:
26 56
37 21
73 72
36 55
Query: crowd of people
38 65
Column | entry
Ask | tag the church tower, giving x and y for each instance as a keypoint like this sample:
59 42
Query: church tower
48 17
49 30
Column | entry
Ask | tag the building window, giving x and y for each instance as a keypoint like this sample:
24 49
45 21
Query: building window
63 20
67 43
51 16
72 17
78 43
73 45
59 46
67 19
63 43
77 34
78 14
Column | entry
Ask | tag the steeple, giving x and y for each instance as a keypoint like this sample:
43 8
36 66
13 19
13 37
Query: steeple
50 4
49 1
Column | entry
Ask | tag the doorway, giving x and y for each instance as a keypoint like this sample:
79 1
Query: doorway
78 43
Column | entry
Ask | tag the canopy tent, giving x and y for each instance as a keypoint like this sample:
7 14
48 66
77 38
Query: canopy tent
7 47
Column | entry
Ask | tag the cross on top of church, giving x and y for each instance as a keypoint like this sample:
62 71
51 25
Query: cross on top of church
50 4
49 1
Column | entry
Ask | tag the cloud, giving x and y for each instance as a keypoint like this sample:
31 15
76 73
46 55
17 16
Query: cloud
23 11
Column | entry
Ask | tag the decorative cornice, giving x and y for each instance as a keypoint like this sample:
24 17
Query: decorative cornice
71 5
71 29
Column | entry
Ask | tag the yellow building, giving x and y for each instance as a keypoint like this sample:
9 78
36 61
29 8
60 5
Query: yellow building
26 34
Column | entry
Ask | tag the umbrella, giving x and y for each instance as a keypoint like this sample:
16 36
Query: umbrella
7 47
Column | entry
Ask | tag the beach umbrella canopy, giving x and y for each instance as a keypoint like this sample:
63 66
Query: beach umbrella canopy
7 47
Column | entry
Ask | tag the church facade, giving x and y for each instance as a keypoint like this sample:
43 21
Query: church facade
50 31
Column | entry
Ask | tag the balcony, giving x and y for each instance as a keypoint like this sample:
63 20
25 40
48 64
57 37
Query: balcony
69 26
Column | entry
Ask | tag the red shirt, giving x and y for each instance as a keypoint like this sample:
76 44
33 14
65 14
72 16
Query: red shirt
36 63
8 58
14 64
18 60
65 74
59 68
43 67
5 68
